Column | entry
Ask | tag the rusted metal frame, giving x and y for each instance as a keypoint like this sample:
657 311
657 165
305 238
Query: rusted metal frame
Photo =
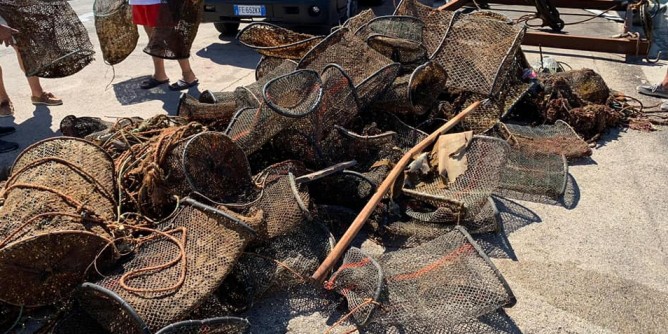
629 46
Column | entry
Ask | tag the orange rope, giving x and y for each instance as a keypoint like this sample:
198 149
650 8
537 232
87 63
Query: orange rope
34 218
426 269
71 201
139 272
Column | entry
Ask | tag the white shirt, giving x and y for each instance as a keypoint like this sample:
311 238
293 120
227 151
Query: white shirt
145 2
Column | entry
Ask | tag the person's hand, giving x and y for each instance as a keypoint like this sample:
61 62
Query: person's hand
6 35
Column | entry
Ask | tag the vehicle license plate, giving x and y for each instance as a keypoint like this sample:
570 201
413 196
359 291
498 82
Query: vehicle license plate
242 10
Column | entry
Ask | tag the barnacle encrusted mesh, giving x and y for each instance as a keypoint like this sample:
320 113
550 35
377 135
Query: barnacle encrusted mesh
287 99
436 22
436 285
350 52
468 194
115 29
57 202
558 138
251 96
220 108
172 270
221 325
178 21
533 175
273 41
401 27
53 42
469 38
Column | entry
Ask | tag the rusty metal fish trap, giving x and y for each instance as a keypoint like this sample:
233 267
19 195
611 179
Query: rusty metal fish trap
178 22
219 107
57 203
437 23
171 271
286 99
251 96
273 41
362 18
534 175
53 43
115 29
469 193
423 289
266 65
558 138
461 49
414 94
371 72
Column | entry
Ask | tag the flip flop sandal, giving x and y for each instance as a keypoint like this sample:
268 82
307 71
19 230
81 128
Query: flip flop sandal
152 83
181 85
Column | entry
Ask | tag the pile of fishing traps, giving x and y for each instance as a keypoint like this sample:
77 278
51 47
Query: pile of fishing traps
211 220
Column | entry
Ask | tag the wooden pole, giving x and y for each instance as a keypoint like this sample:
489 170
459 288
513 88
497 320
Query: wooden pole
384 187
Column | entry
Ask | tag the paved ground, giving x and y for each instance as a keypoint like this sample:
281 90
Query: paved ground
596 265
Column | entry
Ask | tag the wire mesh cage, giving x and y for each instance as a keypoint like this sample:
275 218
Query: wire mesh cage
57 203
221 325
115 29
219 107
53 43
178 21
361 19
423 289
171 271
437 23
470 191
533 175
558 138
350 52
472 36
273 41
416 93
250 96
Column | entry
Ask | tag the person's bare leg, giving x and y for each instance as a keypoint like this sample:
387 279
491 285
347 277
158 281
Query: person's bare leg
187 71
158 63
664 83
35 86
3 93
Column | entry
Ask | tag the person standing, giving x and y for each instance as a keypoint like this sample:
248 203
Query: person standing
147 14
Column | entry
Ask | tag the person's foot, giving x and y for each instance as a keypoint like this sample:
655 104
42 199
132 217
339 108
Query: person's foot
7 146
182 84
152 83
6 108
46 99
656 90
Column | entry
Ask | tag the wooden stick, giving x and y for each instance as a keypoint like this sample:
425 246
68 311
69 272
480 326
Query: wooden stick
384 187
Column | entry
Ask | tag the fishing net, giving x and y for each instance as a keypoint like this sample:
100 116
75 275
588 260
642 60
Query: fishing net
222 325
57 202
437 23
219 107
366 67
361 19
172 166
251 96
52 42
172 270
558 138
470 37
288 98
436 285
532 175
266 65
176 31
115 29
273 41
470 191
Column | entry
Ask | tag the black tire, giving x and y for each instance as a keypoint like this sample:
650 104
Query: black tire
227 28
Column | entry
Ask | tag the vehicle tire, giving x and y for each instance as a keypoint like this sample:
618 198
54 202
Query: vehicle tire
227 28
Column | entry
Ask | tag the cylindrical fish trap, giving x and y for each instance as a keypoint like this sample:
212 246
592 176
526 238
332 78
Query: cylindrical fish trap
115 29
178 21
57 202
52 41
274 41
219 107
172 271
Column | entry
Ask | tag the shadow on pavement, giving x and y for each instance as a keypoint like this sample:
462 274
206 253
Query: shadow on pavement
129 92
231 53
27 133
